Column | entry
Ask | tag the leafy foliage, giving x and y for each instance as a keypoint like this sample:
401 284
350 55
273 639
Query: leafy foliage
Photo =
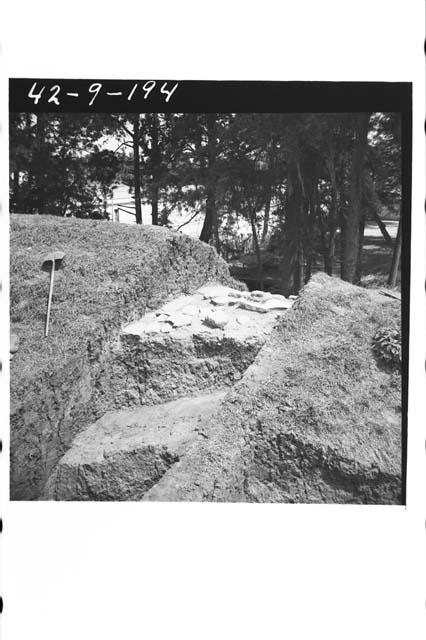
387 347
304 185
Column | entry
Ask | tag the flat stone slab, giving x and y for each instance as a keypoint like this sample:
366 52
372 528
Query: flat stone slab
238 313
123 454
191 344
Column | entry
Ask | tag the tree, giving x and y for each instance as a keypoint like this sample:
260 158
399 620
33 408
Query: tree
210 225
136 167
300 186
354 222
396 257
104 167
49 162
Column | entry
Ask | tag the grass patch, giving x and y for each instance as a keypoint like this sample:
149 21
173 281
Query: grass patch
316 418
111 274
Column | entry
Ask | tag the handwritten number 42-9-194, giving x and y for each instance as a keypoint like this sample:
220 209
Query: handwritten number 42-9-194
95 88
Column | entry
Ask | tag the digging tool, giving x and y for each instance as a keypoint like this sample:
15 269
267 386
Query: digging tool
50 263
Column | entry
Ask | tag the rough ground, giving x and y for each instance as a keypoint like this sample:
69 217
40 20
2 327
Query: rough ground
195 342
314 419
111 275
123 454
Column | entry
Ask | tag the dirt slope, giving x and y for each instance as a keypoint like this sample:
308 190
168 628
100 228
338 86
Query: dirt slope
126 452
111 275
315 418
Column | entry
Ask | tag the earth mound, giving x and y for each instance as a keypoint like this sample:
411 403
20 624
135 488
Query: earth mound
126 452
186 349
111 275
315 418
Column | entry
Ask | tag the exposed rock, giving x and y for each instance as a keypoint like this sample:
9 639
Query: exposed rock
214 291
179 320
260 296
216 319
158 367
222 301
277 303
233 293
160 327
191 310
252 306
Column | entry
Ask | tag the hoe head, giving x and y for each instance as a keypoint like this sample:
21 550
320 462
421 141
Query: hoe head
51 259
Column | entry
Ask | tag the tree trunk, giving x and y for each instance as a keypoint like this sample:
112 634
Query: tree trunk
293 220
39 166
216 231
324 250
300 267
396 256
361 231
323 233
155 159
15 192
207 230
342 218
351 238
331 252
210 224
333 219
105 194
154 205
136 168
266 217
256 248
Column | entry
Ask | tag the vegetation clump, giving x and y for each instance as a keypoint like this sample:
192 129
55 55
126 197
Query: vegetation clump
387 347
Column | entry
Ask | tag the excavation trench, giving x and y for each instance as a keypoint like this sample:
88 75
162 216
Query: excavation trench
166 378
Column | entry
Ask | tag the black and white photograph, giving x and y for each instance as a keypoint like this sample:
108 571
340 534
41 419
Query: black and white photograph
207 306
212 286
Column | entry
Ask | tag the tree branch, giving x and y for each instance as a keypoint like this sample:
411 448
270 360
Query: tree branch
188 221
126 130
123 144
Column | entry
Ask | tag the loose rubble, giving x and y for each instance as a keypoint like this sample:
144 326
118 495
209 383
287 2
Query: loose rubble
215 319
213 306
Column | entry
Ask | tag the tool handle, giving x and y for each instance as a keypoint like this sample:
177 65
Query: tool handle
52 275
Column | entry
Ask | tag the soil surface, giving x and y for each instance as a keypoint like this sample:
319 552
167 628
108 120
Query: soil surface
123 454
314 418
110 275
181 349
